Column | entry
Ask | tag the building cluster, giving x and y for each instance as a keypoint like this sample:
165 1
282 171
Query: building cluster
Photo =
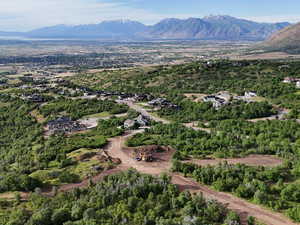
215 100
35 98
292 80
247 97
218 100
123 96
64 125
163 103
140 121
223 98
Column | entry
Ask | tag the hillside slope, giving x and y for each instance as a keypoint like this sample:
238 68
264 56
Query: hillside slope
208 28
213 28
287 40
107 30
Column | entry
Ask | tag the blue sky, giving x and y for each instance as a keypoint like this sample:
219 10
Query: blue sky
30 14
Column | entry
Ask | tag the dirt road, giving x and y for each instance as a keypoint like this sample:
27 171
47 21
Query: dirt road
282 113
243 207
251 160
145 113
115 149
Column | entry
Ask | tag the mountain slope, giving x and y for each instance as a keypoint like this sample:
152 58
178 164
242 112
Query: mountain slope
192 28
208 28
287 39
107 29
213 28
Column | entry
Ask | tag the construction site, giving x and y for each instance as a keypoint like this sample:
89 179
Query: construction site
149 153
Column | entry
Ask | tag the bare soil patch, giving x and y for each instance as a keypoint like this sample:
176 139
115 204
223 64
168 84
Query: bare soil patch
242 207
251 160
195 97
158 153
268 55
194 126
11 195
39 117
116 147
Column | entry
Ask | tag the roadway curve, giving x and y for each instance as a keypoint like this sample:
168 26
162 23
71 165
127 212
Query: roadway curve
241 206
115 149
244 208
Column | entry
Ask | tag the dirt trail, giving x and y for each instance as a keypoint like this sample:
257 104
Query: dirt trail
115 149
281 115
145 113
194 126
244 208
251 160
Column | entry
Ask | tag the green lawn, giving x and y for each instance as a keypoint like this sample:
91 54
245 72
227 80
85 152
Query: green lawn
79 152
4 104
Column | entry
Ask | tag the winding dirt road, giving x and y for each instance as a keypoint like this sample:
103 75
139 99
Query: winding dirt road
241 206
244 208
115 148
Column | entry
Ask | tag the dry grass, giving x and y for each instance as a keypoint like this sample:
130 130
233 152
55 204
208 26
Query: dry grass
39 117
195 97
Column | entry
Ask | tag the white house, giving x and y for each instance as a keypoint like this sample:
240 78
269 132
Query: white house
250 94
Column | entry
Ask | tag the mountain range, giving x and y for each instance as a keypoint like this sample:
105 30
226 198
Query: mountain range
207 28
287 40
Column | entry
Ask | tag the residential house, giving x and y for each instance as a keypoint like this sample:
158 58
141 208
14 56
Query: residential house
128 124
289 80
140 121
163 103
292 80
35 98
216 101
65 125
250 94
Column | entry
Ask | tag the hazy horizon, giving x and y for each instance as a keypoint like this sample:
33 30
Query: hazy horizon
25 15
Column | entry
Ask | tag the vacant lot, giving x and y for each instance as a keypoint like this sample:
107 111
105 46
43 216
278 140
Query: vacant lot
251 160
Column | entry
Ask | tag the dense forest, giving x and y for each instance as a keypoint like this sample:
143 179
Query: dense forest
31 160
261 76
266 186
192 111
126 198
81 107
264 77
229 138
24 150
